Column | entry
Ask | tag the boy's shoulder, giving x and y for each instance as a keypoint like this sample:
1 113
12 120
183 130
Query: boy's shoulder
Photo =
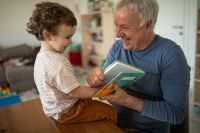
52 58
51 55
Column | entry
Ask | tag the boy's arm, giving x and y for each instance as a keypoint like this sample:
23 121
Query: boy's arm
83 92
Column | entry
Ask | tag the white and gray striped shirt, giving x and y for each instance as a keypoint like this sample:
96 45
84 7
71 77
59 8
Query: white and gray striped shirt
54 78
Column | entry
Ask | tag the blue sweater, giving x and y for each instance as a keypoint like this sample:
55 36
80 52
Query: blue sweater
164 88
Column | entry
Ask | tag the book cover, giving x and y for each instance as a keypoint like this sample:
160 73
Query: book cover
121 74
117 67
105 90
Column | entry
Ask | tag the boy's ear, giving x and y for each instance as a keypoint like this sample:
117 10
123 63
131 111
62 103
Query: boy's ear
46 35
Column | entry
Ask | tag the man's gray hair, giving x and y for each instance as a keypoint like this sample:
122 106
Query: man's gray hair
147 9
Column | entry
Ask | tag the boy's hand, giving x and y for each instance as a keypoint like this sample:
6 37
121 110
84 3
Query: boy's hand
96 77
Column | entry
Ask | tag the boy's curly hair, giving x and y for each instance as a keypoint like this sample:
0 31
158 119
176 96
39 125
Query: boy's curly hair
47 16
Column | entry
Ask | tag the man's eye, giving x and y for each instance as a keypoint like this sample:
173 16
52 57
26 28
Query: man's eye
125 28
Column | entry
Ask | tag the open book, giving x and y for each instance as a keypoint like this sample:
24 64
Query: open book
121 74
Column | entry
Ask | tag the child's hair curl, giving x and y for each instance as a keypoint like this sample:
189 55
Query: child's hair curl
47 16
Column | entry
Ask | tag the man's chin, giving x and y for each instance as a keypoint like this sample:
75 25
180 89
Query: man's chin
127 46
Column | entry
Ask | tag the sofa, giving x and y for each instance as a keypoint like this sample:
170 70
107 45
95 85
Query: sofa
16 67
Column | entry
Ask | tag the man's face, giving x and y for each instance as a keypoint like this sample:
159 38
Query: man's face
128 28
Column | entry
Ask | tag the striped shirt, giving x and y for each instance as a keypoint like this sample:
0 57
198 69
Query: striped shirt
54 78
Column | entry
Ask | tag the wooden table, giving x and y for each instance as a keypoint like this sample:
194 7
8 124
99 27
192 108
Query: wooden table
28 117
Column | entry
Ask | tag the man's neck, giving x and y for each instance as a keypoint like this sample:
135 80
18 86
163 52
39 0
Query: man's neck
148 41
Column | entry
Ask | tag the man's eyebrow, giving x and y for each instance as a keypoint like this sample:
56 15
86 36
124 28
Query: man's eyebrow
122 25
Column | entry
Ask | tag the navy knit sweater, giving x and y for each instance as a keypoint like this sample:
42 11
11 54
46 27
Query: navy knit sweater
164 88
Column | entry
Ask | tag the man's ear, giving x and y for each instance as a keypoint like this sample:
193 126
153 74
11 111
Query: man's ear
46 35
149 24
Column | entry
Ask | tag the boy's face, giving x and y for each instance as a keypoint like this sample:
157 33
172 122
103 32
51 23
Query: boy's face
63 38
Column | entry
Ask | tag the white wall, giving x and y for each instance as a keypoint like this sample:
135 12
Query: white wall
14 15
190 38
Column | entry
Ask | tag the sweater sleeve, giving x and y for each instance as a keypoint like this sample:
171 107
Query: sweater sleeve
111 57
174 83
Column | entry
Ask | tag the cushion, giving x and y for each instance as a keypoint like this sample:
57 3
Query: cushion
15 52
2 76
18 73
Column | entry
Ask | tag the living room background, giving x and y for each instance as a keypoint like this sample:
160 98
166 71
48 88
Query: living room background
14 16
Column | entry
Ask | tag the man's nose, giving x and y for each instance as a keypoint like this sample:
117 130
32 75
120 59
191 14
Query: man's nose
119 33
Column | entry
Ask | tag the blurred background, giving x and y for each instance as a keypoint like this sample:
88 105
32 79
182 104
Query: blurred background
178 20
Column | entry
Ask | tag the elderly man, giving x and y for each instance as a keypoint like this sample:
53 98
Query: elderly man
159 99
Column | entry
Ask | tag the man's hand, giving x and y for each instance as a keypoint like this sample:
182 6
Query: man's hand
120 97
96 77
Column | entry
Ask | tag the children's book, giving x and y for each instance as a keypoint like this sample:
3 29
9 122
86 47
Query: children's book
121 74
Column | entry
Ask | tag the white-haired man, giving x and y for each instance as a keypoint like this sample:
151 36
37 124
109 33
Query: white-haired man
159 99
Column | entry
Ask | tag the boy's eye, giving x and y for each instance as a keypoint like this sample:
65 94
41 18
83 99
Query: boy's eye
68 37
